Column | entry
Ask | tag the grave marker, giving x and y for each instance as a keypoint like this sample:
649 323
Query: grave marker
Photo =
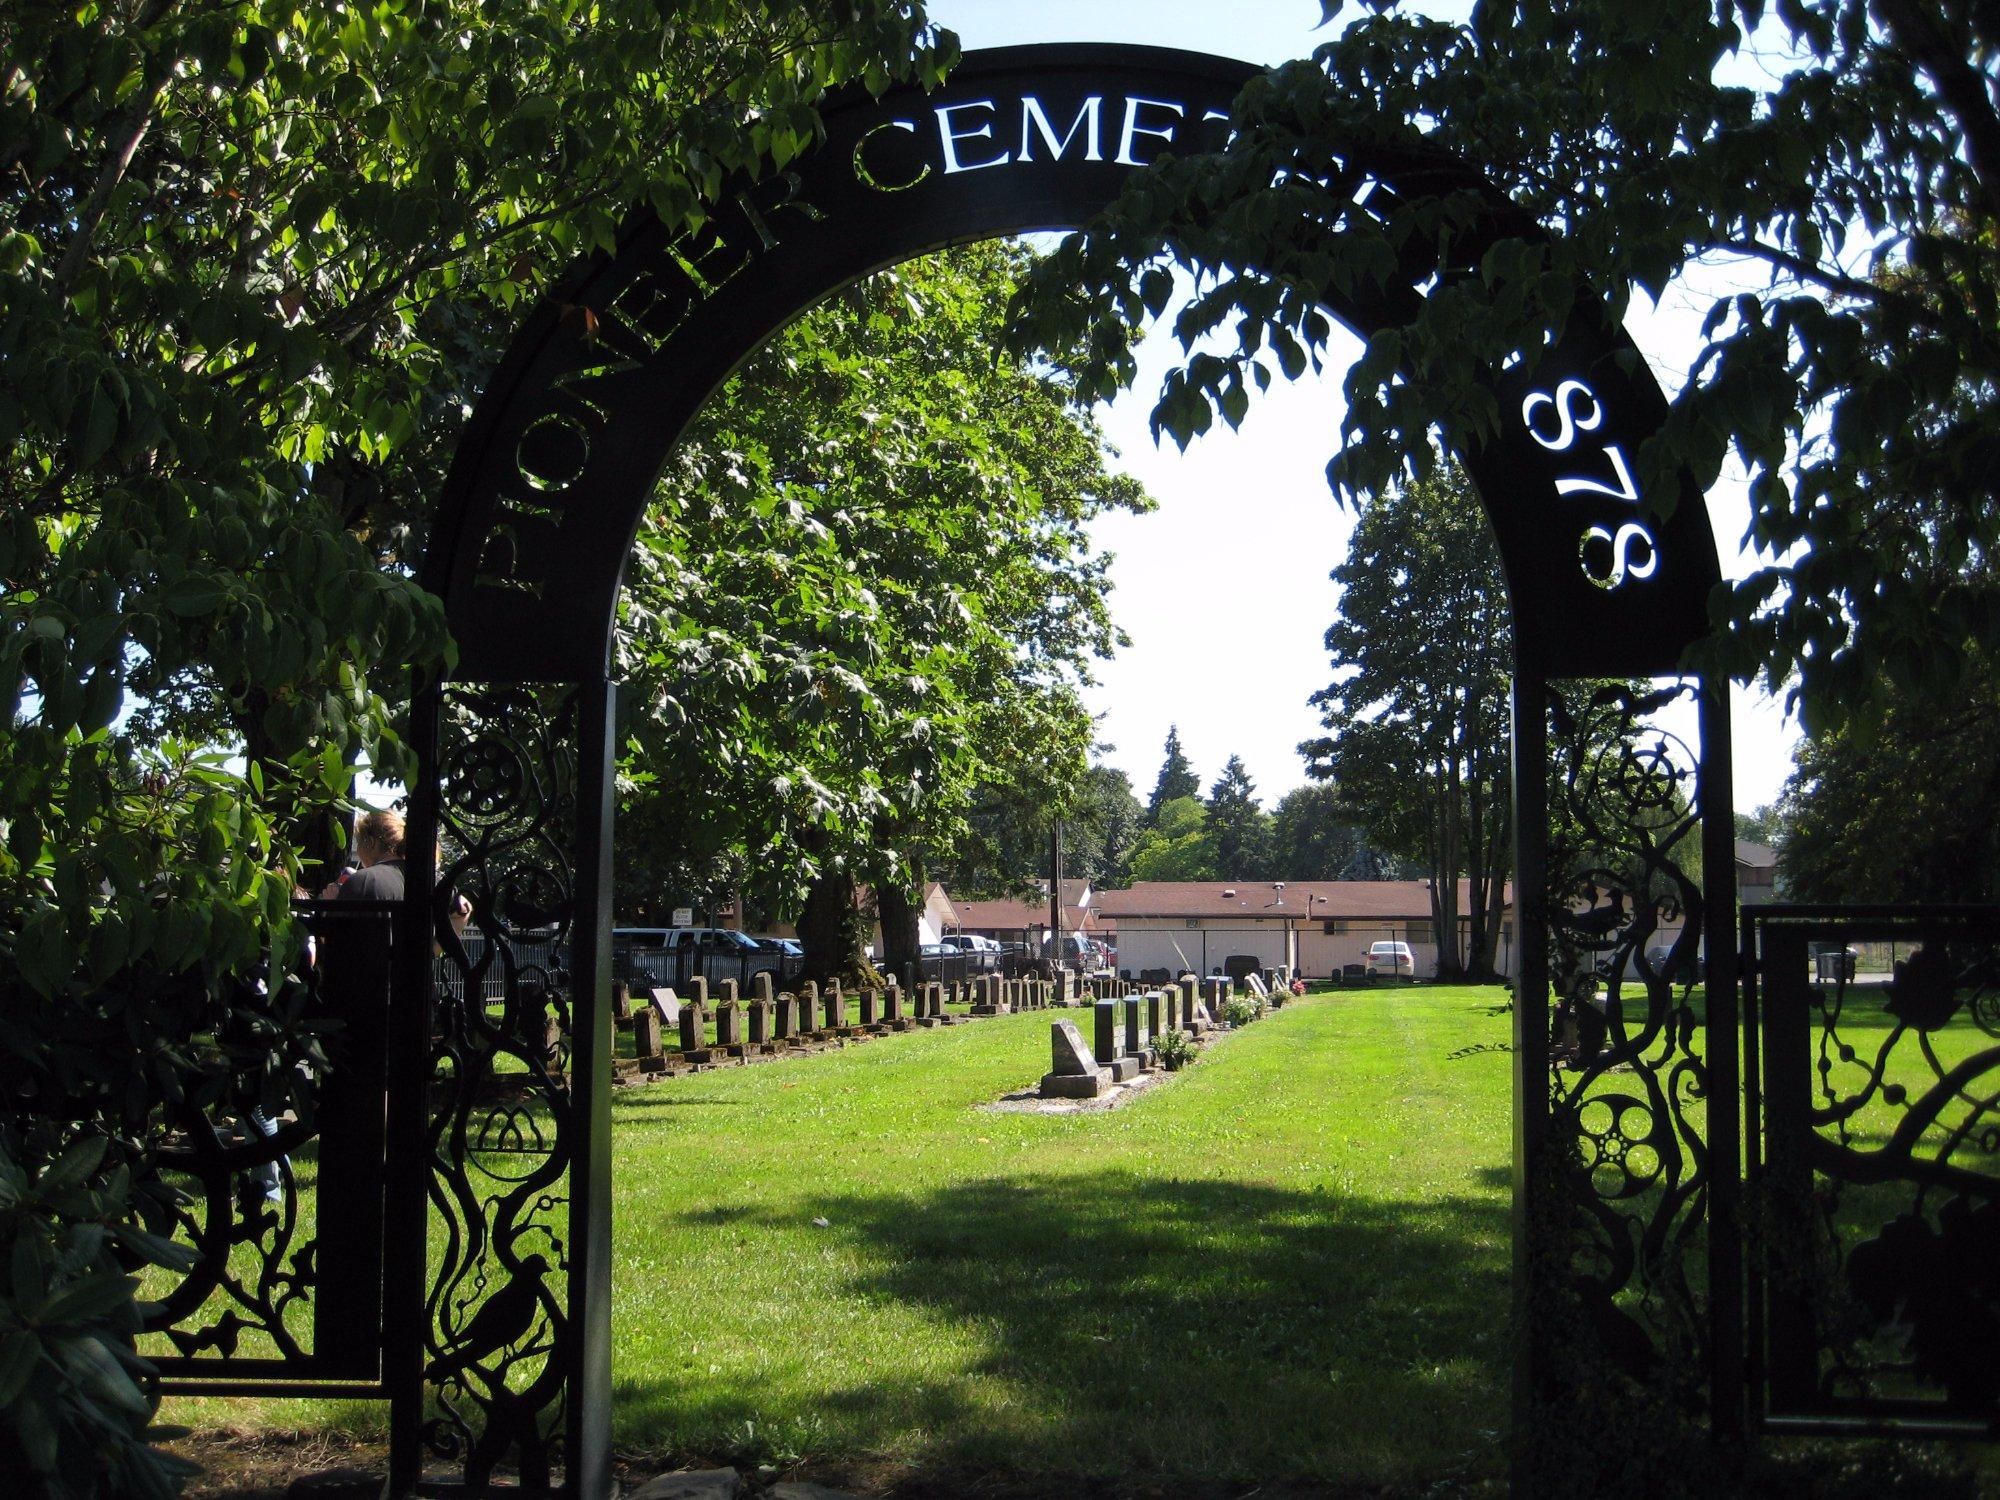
1073 1073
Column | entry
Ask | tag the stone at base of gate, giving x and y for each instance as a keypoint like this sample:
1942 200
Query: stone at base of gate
1073 1074
695 1484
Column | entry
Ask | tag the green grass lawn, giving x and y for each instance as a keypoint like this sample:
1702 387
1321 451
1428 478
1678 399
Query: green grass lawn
1290 1261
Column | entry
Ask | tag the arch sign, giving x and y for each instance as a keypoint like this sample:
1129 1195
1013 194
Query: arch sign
510 1149
554 475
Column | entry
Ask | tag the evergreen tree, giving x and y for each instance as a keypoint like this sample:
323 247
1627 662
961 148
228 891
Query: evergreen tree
1177 779
1239 828
1417 719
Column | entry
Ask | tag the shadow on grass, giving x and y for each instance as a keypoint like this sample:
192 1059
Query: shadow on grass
1169 1332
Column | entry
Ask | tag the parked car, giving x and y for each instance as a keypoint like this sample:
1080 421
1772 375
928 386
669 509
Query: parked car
980 952
672 939
1083 954
1391 961
790 947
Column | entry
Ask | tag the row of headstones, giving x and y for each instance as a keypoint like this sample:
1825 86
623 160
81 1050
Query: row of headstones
1123 1028
768 1021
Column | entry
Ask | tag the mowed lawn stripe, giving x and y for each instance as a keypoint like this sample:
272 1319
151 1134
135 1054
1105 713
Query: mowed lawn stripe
1289 1261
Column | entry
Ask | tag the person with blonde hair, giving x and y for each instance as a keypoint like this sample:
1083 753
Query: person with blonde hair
378 843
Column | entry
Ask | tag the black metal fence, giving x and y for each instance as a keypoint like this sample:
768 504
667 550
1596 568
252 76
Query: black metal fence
1873 1102
277 1170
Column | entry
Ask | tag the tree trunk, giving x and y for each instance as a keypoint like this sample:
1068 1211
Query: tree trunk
1444 902
902 939
833 933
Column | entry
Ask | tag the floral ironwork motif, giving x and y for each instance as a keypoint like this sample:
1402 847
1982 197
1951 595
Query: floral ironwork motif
1883 1129
501 1127
242 1179
1629 1089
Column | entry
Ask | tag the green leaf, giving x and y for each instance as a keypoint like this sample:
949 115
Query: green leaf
20 1352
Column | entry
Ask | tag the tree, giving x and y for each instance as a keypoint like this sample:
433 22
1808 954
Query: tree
1178 846
1886 811
1761 826
1852 366
1315 835
1176 779
864 601
254 261
1239 829
1105 829
1417 715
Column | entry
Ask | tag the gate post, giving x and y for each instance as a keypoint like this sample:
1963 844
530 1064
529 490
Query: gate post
1716 797
1531 1031
405 1258
588 1417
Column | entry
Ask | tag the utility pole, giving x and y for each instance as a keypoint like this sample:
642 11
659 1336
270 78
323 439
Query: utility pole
1055 891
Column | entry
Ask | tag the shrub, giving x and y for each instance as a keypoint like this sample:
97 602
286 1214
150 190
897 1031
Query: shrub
1241 1011
1175 1049
72 1405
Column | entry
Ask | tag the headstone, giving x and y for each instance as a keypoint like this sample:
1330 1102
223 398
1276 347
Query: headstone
892 1004
621 1000
785 1017
1190 987
728 1023
1217 990
1156 1013
808 1008
698 991
1073 1073
1107 1046
760 1017
1257 986
833 1007
871 1007
694 1035
1137 1037
760 986
646 1034
728 992
668 1004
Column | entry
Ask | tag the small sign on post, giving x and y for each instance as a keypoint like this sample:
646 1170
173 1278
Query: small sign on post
683 917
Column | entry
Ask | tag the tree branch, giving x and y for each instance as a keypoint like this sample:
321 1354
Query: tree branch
1916 30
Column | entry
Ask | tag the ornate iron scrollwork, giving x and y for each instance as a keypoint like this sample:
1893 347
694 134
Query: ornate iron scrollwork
502 1131
271 1170
1629 1090
1881 1124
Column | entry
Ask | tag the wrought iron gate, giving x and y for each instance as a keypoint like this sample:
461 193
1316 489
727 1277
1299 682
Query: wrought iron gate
274 1172
1874 1108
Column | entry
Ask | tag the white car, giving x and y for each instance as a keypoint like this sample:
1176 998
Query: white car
1391 961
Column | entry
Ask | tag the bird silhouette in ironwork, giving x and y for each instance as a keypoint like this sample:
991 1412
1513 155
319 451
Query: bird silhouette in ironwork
502 1320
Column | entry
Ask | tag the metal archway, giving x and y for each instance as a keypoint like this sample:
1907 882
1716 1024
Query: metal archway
1614 1167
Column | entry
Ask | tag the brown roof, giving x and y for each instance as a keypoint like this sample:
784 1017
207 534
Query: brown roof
1012 916
1315 900
1757 856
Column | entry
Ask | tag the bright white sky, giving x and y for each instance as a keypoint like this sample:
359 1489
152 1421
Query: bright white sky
1224 589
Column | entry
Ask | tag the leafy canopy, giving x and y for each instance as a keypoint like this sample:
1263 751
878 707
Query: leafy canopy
1844 156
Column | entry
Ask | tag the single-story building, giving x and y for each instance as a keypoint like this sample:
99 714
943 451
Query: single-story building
1756 873
1013 920
1312 927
